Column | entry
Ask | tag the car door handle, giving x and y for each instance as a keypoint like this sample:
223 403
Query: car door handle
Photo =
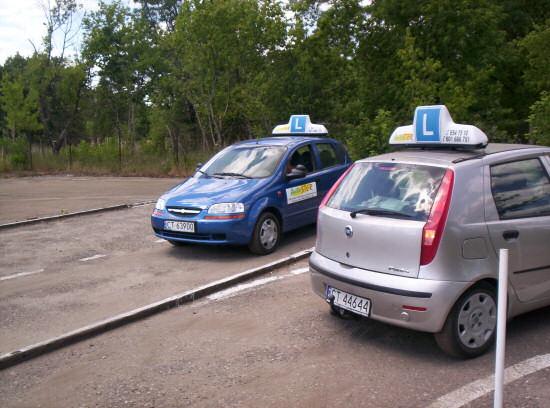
510 235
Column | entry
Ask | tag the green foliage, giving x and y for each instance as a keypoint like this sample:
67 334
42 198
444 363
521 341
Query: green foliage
15 154
159 85
539 120
371 136
20 103
535 46
222 50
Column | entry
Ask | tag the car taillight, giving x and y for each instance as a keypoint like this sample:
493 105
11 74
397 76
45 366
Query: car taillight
334 187
431 234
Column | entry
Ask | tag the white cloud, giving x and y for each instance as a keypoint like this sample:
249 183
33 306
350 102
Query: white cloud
22 22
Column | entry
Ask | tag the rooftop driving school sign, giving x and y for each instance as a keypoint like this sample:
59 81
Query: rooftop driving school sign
300 125
433 125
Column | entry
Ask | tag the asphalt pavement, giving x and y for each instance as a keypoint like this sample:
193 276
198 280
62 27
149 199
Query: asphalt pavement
270 342
58 276
30 197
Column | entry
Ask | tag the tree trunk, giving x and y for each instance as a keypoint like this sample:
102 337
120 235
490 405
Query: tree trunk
131 125
119 133
62 140
203 133
174 138
29 141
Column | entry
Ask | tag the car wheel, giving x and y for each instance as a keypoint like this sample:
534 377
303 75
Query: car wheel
471 325
177 243
267 234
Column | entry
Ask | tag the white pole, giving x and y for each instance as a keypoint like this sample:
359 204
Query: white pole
501 326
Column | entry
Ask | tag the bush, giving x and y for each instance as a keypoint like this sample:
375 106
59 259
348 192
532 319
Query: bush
371 137
539 121
15 154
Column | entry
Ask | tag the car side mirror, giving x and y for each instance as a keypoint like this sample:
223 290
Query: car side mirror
199 165
299 171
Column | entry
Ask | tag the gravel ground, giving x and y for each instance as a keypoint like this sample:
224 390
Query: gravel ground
271 346
30 197
135 268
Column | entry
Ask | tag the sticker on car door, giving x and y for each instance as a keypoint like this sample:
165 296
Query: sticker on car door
301 192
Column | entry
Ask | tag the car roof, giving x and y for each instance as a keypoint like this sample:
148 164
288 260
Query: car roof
449 156
290 141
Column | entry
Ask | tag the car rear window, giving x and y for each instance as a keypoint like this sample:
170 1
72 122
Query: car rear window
396 188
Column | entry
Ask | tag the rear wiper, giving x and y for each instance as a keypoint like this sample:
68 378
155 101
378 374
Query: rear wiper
232 175
374 211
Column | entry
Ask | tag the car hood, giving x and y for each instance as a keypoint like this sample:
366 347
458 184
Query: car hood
202 192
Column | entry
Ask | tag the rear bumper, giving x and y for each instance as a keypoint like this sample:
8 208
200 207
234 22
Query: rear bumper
389 293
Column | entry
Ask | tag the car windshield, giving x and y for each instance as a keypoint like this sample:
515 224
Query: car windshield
389 189
245 162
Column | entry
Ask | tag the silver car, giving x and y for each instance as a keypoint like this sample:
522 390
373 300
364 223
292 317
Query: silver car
411 238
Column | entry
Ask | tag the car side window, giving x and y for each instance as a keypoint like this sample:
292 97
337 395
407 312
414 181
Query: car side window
521 189
328 155
302 156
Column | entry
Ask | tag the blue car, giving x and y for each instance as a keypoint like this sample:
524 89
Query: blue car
253 191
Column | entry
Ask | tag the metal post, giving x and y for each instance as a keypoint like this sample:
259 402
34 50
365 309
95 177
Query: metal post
501 326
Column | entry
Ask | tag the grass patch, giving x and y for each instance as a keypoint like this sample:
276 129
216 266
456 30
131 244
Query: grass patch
98 160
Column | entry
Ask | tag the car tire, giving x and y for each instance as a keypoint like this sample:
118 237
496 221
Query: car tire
470 328
266 235
178 243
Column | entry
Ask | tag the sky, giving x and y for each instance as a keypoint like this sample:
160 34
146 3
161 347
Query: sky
22 21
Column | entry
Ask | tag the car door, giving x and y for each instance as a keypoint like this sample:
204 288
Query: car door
333 161
519 220
302 195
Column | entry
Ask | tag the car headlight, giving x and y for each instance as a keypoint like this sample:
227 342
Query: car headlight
226 208
161 204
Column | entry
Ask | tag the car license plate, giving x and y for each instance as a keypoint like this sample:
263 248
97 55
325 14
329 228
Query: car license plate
180 226
350 302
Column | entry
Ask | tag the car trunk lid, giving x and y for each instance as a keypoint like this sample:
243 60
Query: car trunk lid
375 219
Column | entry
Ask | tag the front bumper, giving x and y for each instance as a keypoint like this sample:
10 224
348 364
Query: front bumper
214 232
389 293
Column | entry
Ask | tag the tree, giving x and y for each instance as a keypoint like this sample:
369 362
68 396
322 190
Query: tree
118 51
222 49
539 121
20 103
58 111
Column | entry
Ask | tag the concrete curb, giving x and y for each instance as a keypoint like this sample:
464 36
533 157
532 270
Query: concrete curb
69 215
46 346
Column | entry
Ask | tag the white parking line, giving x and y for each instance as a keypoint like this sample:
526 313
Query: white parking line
91 258
479 388
230 292
299 271
19 275
233 291
160 241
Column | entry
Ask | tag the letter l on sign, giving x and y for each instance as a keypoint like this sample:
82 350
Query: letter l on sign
427 124
425 131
